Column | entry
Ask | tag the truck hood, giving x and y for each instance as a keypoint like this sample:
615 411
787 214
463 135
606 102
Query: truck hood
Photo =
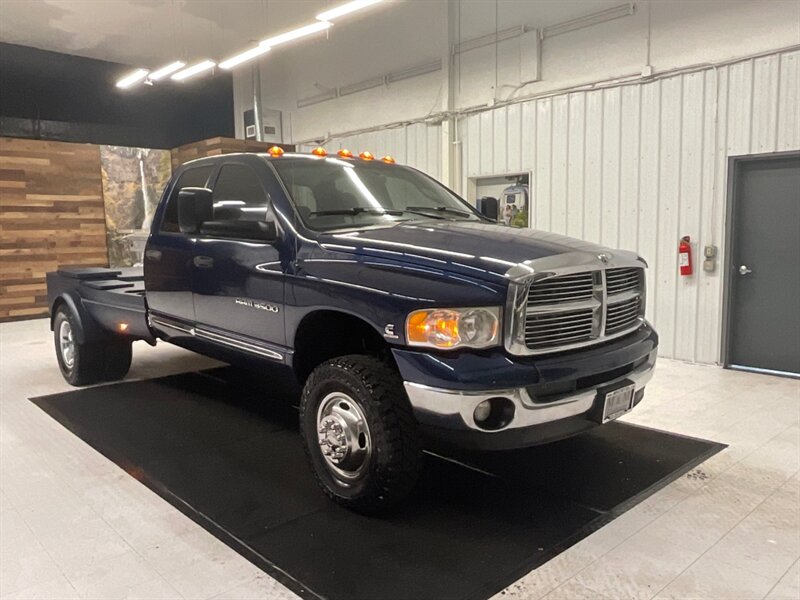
481 250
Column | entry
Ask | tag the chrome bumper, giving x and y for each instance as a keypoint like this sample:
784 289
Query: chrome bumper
453 409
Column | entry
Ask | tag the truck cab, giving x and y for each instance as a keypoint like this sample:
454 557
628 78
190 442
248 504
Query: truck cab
407 317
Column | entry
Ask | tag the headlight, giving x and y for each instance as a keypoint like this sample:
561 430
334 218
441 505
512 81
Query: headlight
454 327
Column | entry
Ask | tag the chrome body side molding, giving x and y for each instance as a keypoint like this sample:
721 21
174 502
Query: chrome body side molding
213 336
238 344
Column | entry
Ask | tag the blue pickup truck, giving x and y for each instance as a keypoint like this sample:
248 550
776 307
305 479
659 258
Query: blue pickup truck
407 317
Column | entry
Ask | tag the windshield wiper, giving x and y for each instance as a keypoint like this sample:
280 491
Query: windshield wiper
440 209
424 211
356 210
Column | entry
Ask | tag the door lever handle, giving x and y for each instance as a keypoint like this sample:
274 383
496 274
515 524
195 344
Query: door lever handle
153 254
203 262
743 270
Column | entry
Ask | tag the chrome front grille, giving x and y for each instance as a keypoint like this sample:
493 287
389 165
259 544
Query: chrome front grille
567 288
622 279
620 315
575 309
542 330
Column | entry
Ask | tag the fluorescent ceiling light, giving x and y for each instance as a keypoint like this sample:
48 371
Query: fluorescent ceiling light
135 77
345 9
193 70
168 70
296 33
244 56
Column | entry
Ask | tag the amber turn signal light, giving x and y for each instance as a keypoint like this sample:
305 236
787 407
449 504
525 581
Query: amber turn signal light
442 325
345 153
275 151
475 327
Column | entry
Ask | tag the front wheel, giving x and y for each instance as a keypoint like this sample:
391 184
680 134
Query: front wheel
359 433
87 363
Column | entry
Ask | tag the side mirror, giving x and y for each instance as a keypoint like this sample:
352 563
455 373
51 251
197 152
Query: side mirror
195 205
262 231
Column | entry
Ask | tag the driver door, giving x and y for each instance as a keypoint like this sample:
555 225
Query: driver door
238 285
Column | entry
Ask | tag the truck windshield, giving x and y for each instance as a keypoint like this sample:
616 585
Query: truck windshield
337 194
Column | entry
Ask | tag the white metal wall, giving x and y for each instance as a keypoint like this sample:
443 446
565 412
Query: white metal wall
638 166
417 145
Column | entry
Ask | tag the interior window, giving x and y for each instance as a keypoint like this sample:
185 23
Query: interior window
238 195
196 177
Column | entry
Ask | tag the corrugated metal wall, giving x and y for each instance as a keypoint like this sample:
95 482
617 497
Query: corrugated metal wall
417 145
638 166
634 166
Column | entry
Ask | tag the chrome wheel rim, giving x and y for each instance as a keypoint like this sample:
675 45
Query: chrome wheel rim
343 437
66 344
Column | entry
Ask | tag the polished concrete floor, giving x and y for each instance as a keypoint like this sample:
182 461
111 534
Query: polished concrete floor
73 525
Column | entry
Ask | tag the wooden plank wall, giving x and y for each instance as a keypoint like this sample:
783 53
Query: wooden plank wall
51 214
220 145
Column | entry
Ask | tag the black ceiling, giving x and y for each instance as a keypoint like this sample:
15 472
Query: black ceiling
60 96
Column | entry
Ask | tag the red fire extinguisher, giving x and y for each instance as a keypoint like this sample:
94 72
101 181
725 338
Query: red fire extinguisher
685 256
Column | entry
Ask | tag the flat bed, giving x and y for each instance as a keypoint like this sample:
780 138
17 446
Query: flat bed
114 298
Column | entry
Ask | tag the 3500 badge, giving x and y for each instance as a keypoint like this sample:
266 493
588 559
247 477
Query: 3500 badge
257 305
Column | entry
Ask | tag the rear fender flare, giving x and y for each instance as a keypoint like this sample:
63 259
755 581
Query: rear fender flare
86 328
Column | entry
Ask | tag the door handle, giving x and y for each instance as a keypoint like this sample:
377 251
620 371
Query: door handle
203 262
153 254
743 270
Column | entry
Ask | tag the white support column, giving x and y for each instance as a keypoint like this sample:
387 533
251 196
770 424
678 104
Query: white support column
450 153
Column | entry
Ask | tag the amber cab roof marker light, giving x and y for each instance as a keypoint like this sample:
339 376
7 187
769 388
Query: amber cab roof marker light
388 159
319 151
366 155
275 152
345 153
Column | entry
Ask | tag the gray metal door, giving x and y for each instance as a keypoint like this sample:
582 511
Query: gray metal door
764 276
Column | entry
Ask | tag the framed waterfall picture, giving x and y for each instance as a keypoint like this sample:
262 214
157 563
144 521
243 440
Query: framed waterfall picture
133 180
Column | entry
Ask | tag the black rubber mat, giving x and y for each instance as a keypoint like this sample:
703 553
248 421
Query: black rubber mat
219 450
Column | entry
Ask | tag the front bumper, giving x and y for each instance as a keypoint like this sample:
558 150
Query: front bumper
557 399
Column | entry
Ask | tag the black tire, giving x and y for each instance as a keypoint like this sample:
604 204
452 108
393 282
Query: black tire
118 355
392 469
89 363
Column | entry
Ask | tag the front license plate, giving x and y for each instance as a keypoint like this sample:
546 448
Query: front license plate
617 402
